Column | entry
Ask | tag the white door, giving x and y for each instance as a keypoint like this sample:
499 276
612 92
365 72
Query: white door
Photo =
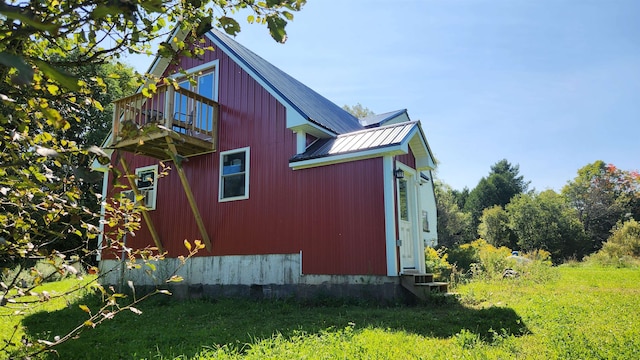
406 222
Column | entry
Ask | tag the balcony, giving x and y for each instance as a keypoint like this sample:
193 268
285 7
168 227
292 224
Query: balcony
149 124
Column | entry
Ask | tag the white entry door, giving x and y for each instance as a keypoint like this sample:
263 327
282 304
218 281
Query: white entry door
406 223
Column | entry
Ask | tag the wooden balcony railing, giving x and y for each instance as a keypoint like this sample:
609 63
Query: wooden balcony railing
179 113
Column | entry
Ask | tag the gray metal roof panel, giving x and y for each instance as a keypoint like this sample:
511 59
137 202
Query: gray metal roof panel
309 103
368 139
378 119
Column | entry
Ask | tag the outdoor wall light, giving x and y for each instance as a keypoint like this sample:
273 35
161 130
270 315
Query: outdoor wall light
399 173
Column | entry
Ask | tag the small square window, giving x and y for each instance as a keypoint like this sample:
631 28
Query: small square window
147 186
234 175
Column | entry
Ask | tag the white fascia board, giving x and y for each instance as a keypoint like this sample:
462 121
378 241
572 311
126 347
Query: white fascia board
352 156
421 150
295 122
431 161
399 149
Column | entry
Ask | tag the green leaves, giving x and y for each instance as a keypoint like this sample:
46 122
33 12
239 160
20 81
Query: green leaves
25 72
27 18
56 87
276 28
229 25
175 278
67 80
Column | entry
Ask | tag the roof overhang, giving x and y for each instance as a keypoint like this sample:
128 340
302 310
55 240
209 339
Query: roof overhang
347 157
414 141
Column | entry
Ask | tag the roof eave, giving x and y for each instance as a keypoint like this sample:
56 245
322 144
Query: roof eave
397 149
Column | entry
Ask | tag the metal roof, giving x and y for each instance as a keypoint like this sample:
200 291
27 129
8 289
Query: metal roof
313 106
374 138
378 119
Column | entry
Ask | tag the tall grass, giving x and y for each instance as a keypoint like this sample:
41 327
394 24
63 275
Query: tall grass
480 260
578 312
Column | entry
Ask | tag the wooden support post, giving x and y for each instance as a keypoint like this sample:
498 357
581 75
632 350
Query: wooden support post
145 213
170 98
187 190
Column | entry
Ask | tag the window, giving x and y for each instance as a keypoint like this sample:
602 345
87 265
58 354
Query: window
404 200
189 111
425 221
234 175
147 186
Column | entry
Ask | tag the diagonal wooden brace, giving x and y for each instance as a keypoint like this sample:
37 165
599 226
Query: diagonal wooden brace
145 213
187 190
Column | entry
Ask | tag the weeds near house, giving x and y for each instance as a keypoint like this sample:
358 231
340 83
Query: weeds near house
480 260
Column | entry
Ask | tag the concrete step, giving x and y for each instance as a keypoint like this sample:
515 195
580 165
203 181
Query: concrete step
435 286
420 278
422 284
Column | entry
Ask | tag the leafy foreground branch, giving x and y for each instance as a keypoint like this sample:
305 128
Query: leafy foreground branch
113 302
53 96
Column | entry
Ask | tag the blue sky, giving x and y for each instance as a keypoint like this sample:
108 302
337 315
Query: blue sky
551 85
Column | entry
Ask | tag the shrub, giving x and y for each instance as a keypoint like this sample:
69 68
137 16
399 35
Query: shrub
436 262
463 256
624 240
493 260
481 260
622 248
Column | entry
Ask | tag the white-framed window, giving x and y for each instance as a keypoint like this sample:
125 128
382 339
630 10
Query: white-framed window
205 77
147 184
205 83
234 175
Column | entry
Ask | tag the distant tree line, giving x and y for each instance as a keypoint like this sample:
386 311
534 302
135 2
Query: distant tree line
570 225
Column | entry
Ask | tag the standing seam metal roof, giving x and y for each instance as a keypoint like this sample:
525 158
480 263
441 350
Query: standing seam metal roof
379 119
313 106
369 139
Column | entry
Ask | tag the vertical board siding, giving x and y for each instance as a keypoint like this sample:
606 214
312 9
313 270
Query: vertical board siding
333 214
407 159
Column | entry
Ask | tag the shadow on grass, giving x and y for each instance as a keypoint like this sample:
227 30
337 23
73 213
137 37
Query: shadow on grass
168 328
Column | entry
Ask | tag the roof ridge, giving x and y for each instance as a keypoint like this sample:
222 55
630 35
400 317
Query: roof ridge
310 104
379 128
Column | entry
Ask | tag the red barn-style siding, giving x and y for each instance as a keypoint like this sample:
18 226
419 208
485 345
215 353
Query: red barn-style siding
333 214
407 159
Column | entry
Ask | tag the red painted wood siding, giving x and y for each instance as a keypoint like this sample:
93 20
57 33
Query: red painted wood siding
333 214
407 159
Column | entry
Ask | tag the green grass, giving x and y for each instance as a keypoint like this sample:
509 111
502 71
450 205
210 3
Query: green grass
10 324
581 312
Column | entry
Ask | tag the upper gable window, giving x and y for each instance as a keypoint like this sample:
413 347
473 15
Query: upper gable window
205 80
190 111
234 175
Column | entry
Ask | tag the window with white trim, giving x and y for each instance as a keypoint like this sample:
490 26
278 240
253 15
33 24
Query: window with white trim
203 80
234 175
146 182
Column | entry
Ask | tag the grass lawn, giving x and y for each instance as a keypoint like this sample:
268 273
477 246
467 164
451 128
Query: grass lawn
579 312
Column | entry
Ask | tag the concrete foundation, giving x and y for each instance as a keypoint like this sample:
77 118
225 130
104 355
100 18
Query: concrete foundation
254 276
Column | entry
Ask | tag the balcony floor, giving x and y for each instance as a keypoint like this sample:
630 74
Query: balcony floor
155 144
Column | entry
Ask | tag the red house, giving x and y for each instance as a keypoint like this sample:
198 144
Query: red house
290 193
